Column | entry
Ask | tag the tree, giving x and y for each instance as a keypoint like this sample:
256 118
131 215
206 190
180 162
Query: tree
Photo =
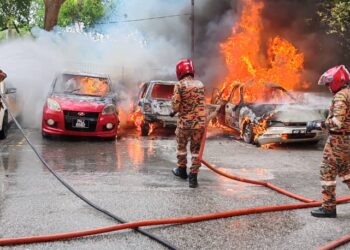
81 11
335 14
52 10
14 13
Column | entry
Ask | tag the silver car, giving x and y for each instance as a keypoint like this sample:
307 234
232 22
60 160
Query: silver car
154 105
269 115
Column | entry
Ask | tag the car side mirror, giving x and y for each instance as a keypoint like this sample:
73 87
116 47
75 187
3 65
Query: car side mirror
11 90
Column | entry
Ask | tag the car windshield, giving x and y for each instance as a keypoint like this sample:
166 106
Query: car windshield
162 91
266 94
81 85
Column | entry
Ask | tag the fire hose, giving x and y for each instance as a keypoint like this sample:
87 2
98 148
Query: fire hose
80 196
134 225
179 220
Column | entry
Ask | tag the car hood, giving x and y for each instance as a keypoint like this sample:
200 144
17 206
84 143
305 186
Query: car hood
82 103
286 112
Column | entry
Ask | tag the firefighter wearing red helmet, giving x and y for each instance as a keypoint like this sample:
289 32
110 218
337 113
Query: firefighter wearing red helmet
189 102
336 154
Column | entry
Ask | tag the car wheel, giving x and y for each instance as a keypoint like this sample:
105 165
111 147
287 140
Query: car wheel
145 129
5 122
248 134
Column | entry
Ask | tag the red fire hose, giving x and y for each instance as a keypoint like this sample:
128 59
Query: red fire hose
192 219
336 243
237 178
261 183
308 203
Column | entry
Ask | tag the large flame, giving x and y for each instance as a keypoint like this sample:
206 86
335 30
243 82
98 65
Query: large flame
246 61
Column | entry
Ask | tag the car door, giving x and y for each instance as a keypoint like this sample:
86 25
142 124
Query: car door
232 108
9 94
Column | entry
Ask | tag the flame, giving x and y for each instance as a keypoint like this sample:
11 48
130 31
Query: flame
137 118
282 63
93 86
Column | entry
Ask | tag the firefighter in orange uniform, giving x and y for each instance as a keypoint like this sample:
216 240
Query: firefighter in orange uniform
189 102
336 154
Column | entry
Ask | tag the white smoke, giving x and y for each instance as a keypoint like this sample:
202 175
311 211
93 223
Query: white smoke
130 52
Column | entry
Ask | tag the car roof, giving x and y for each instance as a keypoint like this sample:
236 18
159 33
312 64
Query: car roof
163 82
84 74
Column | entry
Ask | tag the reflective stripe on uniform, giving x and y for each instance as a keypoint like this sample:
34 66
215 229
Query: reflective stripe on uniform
181 152
328 183
336 122
346 177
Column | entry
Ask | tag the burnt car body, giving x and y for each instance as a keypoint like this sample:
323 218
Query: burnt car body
154 104
271 116
80 104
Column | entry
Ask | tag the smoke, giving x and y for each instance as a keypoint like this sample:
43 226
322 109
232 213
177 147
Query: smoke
30 66
134 44
298 22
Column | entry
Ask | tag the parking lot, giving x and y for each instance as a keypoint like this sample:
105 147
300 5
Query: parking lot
132 178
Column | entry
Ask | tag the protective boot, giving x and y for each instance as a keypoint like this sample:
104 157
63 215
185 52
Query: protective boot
180 172
323 213
192 180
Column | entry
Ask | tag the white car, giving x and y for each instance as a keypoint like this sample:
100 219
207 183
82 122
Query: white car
9 95
269 114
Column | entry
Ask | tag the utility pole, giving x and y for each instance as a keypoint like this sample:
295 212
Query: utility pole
192 30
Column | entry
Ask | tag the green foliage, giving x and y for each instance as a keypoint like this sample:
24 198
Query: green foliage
335 14
38 13
14 12
84 11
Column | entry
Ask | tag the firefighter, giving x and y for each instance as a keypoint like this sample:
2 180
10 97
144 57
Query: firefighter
2 77
189 102
336 154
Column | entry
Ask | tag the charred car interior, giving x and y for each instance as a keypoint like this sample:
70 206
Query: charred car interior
153 106
266 114
81 105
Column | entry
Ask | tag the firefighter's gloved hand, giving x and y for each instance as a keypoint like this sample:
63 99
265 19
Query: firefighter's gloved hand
313 125
172 114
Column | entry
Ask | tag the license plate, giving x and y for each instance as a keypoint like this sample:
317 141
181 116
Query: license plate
80 124
299 131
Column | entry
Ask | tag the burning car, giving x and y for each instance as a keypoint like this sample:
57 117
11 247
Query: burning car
154 106
266 113
9 95
81 105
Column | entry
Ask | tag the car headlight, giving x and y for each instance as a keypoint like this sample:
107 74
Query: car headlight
147 107
276 124
109 109
53 105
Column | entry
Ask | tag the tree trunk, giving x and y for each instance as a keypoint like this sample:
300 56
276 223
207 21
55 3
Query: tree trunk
52 9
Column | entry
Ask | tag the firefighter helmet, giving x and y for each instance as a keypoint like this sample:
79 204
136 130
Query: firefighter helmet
2 75
183 68
335 78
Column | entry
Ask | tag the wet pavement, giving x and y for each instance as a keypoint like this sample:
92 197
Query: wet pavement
131 177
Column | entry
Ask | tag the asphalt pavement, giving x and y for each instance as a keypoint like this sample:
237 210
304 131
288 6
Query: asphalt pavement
131 177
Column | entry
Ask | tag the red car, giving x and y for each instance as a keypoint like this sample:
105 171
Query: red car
81 105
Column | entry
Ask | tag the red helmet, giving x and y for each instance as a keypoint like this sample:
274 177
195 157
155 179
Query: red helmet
183 68
335 77
2 75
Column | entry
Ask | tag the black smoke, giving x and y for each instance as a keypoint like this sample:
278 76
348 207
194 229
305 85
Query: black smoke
295 20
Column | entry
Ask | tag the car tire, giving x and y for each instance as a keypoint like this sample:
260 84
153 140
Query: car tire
145 129
247 133
5 124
